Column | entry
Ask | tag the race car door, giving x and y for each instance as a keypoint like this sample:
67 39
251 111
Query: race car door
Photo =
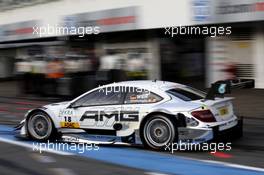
137 102
99 109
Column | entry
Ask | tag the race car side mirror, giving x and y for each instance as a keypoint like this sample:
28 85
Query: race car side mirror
74 106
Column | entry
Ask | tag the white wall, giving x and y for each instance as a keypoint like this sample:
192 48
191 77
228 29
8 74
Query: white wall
259 59
152 14
216 59
221 51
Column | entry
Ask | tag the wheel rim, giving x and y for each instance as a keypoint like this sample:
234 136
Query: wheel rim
158 132
39 126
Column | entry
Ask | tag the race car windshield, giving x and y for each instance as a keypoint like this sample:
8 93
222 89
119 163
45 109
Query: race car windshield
187 93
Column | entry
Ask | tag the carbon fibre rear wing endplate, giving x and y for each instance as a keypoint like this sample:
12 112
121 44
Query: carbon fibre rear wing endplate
222 87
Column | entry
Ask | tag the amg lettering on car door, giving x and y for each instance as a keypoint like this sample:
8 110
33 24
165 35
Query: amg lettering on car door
124 116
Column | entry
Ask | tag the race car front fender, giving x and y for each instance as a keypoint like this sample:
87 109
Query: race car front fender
21 128
49 112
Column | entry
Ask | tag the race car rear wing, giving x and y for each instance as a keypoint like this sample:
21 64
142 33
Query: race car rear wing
222 87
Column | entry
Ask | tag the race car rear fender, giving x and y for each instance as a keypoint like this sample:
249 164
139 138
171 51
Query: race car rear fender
178 120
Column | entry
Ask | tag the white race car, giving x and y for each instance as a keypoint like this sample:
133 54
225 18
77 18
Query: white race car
155 112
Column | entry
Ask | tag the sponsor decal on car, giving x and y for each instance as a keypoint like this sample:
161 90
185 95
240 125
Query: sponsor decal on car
223 111
69 124
124 116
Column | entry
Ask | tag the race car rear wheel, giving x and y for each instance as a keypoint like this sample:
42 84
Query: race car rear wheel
159 131
40 126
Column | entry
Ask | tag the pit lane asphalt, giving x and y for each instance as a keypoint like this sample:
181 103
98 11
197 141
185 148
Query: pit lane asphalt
246 151
18 160
120 156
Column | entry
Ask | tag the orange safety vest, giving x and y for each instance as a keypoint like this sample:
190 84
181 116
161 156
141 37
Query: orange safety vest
55 70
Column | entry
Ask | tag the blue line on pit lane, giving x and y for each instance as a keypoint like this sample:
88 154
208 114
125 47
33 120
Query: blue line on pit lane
149 161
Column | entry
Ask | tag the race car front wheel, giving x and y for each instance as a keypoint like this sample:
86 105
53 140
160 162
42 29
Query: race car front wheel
40 126
159 131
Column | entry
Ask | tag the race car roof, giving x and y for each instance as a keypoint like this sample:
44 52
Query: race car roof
148 84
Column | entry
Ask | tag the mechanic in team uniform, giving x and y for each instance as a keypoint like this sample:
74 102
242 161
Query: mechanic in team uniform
55 70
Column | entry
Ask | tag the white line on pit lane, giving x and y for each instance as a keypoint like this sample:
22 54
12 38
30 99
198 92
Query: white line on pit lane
234 165
225 164
154 173
31 146
62 171
43 158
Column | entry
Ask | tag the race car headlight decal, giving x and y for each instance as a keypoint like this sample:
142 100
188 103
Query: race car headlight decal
191 122
204 115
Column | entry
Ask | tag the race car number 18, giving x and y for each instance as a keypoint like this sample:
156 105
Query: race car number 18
69 124
67 119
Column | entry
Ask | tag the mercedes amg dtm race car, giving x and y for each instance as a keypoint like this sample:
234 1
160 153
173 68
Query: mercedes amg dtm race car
155 112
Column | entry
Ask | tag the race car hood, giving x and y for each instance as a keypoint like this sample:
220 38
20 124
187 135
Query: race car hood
56 105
